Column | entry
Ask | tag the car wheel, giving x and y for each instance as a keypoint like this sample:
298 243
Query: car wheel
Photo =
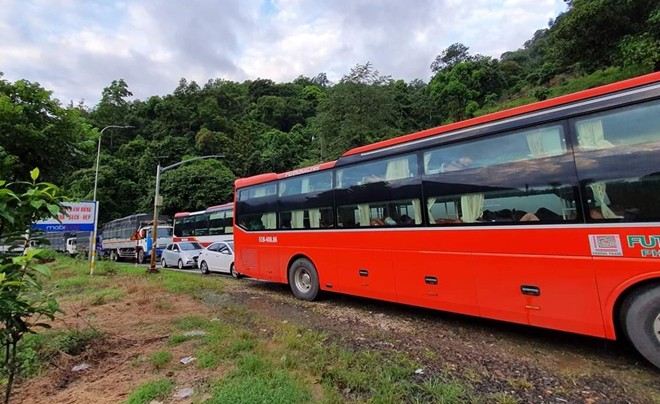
233 272
303 279
641 322
204 268
180 264
163 264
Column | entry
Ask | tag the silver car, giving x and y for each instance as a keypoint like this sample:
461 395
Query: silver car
182 254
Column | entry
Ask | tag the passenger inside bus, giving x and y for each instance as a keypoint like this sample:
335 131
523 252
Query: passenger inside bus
256 224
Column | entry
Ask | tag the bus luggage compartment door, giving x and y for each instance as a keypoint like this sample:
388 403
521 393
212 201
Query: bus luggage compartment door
368 273
557 292
437 280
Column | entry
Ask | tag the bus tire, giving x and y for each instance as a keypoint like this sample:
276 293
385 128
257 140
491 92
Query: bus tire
304 279
114 257
641 322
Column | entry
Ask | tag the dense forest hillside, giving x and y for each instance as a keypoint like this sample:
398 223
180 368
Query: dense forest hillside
263 126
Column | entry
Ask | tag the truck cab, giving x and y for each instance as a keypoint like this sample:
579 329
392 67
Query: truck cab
71 246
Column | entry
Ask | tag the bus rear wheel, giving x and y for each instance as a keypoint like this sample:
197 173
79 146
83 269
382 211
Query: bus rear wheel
304 279
641 322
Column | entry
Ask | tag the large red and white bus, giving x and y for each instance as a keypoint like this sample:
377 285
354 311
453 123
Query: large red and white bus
205 226
546 214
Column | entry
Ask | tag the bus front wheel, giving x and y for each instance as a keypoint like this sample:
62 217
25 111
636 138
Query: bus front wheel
641 322
303 279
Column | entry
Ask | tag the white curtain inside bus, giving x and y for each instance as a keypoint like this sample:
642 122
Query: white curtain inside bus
472 207
591 135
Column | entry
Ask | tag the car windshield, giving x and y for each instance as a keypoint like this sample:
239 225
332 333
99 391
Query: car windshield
190 246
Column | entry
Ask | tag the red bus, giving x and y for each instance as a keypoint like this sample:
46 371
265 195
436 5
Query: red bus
205 226
546 215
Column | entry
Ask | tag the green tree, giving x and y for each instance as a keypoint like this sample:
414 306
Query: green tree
23 302
454 54
114 109
357 111
36 131
468 85
589 35
280 151
196 186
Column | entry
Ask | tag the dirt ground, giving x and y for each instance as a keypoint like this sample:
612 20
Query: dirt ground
533 365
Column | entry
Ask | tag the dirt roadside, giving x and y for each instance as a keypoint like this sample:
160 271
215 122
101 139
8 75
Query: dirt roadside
532 365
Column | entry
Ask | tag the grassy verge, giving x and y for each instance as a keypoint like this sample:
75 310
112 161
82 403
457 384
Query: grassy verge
242 355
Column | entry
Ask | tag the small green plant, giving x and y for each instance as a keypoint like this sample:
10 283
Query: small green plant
106 295
75 342
256 380
155 390
520 384
164 305
178 339
160 358
23 302
105 268
503 397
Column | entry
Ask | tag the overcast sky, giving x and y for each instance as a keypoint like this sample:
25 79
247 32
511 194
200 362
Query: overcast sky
77 47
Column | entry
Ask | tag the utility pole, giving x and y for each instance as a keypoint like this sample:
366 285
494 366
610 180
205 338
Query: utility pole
158 202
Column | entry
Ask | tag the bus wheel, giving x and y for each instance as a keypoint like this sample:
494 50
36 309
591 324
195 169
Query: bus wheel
113 256
303 279
641 322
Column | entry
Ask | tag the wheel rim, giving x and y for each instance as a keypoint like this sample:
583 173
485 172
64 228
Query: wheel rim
656 327
233 272
303 280
180 264
204 267
162 264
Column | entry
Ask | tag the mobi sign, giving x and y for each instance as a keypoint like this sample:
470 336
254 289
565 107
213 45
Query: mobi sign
79 216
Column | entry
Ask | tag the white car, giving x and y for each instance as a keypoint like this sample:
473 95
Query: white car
182 254
218 257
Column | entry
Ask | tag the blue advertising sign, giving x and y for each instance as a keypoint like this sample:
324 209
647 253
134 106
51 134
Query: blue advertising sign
79 216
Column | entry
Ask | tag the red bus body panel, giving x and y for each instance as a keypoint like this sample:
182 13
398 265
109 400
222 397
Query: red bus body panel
480 276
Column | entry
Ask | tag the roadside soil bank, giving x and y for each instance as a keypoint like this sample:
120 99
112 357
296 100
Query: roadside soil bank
532 365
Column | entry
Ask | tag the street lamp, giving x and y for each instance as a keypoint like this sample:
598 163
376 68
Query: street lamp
96 204
158 202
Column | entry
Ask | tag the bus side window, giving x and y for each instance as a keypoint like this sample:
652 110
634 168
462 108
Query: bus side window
607 143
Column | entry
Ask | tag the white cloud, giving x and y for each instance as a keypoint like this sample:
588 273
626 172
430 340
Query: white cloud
77 48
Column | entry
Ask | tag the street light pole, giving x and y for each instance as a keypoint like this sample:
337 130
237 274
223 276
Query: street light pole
158 201
96 204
